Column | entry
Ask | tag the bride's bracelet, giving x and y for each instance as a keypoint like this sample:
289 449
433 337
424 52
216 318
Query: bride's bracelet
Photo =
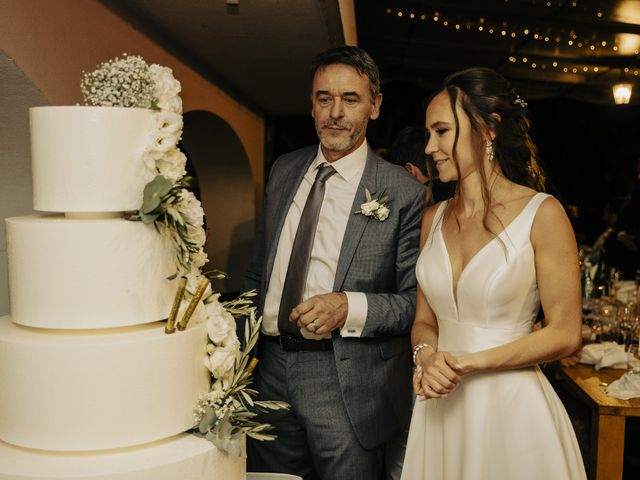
419 347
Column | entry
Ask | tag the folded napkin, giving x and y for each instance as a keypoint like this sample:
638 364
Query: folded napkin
607 354
626 387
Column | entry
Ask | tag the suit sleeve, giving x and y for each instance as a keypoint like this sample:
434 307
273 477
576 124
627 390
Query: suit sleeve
391 314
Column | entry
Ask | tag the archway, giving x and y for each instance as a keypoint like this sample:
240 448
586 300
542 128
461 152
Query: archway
226 190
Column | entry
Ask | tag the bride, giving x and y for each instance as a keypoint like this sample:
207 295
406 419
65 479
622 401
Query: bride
490 257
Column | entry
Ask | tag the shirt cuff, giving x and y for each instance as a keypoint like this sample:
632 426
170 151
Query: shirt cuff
356 316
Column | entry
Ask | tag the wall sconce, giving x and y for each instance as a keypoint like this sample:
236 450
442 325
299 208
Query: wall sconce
622 92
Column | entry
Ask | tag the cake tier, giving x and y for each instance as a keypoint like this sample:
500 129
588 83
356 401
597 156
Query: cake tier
89 159
100 273
183 457
93 390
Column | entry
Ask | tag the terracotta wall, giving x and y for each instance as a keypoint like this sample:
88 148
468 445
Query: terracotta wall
52 42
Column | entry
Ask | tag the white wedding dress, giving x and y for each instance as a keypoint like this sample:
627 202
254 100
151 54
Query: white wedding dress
506 425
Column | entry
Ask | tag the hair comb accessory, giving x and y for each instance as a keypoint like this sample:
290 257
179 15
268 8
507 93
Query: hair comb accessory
520 101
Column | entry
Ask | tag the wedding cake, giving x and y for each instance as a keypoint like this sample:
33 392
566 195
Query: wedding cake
91 386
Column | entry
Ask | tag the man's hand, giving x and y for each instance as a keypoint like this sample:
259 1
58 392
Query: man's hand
321 314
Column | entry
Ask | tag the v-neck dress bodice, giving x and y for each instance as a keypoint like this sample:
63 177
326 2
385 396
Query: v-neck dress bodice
507 425
497 296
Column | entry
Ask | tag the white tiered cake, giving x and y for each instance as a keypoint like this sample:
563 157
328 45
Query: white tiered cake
90 385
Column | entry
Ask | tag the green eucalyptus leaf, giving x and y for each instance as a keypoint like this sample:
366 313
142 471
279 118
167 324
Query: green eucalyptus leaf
153 193
208 420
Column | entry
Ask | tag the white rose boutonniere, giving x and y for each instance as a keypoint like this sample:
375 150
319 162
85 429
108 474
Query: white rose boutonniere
375 207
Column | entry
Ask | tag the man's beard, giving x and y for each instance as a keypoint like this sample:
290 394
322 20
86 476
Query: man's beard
339 143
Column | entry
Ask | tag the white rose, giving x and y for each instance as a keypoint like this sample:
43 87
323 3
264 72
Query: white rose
164 135
168 122
382 213
191 209
199 258
222 361
196 235
172 165
221 326
194 277
149 159
166 89
369 207
171 104
160 143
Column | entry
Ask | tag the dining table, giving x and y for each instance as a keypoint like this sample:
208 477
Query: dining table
608 418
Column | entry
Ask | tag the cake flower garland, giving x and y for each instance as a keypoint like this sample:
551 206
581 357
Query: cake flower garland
228 410
167 203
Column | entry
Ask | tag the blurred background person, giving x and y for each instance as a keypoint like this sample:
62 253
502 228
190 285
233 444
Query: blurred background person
407 150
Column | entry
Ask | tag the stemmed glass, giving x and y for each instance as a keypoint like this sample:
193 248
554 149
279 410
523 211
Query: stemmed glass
627 324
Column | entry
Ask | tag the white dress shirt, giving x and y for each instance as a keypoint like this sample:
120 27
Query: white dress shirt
340 190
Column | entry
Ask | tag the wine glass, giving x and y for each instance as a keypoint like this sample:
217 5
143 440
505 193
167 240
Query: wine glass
625 324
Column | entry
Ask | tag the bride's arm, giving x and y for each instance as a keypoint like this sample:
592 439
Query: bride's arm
558 278
434 376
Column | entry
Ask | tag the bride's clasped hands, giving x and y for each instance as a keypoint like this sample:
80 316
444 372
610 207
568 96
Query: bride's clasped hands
437 374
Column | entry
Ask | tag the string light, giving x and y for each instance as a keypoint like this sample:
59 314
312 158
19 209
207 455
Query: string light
550 34
567 67
589 44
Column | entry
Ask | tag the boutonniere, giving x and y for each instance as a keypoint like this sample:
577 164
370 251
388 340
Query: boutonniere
374 207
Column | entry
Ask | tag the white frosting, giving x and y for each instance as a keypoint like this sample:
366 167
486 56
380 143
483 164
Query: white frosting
180 457
72 273
93 390
89 159
97 390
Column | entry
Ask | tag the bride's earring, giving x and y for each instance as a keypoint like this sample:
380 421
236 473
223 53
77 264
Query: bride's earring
489 145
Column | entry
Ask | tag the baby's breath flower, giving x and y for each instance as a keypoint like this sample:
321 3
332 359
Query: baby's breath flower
120 82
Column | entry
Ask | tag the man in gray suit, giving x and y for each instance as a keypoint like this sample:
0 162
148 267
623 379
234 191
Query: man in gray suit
336 316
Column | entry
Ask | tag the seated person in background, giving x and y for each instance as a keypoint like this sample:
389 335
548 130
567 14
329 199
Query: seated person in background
407 151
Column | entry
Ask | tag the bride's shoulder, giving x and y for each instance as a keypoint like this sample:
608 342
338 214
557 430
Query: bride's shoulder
550 211
551 221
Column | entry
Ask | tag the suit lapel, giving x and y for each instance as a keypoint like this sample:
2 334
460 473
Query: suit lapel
298 170
357 223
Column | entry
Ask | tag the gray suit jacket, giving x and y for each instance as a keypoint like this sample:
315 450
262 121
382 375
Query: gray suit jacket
376 258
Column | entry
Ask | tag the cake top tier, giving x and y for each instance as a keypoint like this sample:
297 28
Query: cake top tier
100 157
89 159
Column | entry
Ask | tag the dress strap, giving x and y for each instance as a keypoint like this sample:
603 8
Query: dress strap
531 209
437 219
521 233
